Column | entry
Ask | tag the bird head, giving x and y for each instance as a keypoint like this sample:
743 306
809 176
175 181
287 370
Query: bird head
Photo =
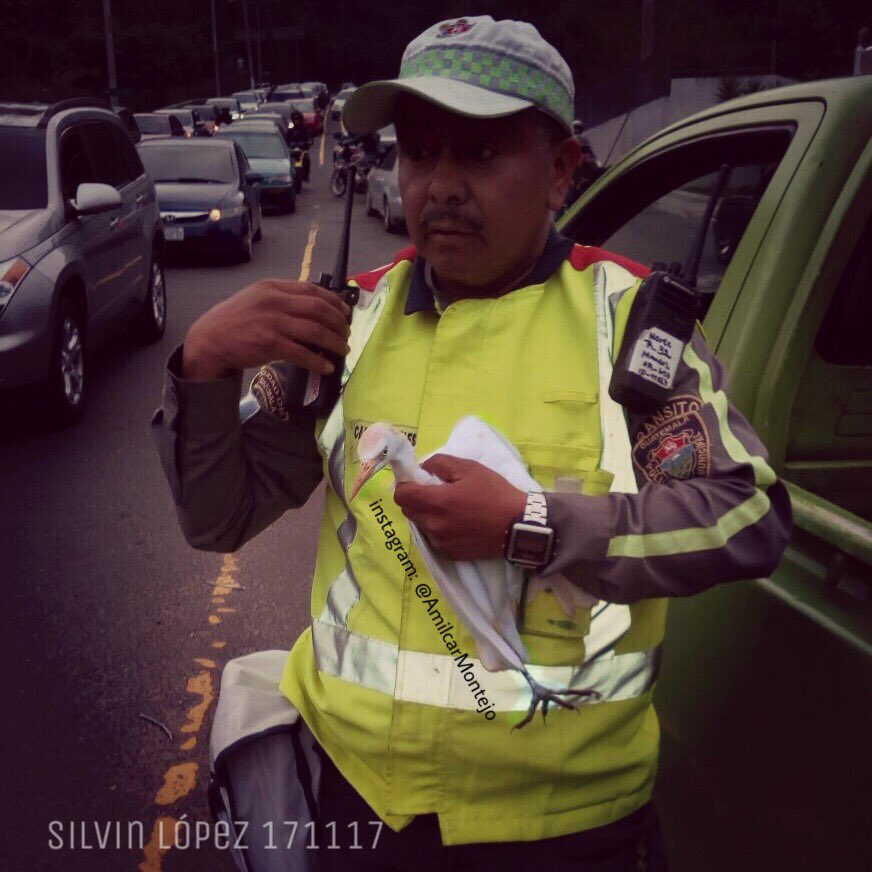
378 446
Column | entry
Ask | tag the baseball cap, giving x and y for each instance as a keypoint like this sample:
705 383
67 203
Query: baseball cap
473 66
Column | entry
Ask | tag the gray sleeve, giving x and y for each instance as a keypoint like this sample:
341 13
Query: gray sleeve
709 509
232 469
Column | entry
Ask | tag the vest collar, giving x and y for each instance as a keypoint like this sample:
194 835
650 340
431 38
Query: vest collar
421 299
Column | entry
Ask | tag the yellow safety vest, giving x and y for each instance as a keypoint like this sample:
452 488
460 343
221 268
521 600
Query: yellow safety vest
396 703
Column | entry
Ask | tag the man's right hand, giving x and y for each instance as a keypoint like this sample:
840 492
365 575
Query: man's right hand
269 320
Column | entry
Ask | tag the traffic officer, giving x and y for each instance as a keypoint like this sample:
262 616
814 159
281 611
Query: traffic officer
490 313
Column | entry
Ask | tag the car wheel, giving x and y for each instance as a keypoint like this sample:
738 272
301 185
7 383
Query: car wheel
152 319
66 381
370 209
247 245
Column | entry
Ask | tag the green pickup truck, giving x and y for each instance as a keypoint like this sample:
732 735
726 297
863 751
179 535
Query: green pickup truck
765 697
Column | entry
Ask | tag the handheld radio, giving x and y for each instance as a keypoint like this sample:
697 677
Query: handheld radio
313 391
660 325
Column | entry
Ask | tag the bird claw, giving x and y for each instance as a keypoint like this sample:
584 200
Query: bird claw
545 696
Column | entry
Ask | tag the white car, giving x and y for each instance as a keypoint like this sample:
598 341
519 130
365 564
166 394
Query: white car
383 192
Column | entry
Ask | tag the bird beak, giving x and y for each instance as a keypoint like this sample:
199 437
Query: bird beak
368 468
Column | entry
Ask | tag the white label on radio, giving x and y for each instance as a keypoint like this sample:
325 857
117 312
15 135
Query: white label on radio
655 357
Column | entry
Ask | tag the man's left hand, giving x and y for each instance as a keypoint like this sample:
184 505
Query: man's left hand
466 518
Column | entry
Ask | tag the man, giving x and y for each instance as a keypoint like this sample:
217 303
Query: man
491 313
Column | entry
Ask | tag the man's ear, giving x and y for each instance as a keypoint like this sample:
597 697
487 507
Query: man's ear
565 157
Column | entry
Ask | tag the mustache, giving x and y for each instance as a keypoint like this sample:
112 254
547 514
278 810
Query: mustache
447 216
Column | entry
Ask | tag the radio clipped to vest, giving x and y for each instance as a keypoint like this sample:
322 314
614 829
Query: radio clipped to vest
311 391
661 324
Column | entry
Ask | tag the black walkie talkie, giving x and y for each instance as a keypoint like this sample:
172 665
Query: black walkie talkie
660 325
308 390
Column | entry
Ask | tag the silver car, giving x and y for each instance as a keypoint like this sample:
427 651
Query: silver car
383 192
81 247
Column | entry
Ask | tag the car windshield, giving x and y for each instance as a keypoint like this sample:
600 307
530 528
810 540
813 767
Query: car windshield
23 183
303 105
256 144
187 162
152 123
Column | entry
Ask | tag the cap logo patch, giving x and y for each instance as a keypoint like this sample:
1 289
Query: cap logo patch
674 442
455 28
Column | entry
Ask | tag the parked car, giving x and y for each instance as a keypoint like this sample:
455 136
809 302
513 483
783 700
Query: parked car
158 125
189 118
208 194
312 116
231 104
339 102
81 247
763 693
383 192
270 157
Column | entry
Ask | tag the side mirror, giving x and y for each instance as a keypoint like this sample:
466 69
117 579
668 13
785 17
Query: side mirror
253 178
92 198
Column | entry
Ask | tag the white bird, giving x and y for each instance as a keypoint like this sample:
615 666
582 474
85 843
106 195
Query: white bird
483 593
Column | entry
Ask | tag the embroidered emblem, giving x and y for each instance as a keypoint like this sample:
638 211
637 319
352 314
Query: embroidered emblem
267 387
454 28
674 442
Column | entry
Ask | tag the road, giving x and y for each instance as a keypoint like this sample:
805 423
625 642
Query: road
110 615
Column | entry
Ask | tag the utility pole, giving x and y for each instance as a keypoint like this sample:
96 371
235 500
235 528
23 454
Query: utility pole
215 51
259 54
110 54
248 42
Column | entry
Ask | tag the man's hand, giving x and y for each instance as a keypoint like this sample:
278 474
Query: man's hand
466 518
269 320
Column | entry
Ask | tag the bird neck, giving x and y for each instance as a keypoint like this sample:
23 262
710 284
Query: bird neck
406 468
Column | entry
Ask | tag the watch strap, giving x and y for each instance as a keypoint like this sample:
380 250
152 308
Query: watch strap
536 509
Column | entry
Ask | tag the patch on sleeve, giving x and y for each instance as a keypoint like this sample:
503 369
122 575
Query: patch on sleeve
267 387
674 442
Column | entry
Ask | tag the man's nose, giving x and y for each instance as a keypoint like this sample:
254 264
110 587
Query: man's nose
448 180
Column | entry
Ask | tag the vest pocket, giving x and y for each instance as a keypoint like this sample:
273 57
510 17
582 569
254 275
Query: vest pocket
554 625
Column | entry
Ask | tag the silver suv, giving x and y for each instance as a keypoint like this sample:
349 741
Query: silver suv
81 246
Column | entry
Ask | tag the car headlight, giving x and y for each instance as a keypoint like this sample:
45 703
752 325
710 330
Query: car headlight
12 273
226 212
284 178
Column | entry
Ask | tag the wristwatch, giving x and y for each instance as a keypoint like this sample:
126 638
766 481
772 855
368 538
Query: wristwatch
530 542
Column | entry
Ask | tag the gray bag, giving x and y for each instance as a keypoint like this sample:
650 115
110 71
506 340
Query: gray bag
264 770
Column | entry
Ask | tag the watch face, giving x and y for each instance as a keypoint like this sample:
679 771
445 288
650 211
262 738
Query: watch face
530 544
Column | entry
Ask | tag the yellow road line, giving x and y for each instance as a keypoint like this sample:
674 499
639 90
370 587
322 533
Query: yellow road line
321 158
307 254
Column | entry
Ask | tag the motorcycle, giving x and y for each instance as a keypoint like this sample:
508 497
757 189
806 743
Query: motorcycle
302 166
344 155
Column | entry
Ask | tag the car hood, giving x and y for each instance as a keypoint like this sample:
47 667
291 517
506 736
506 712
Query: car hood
21 229
189 197
270 166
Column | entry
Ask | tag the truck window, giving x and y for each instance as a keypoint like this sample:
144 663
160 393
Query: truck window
829 450
654 212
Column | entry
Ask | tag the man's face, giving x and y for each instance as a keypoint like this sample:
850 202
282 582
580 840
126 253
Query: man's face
477 193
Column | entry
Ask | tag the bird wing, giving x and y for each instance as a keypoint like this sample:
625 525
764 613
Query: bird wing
462 588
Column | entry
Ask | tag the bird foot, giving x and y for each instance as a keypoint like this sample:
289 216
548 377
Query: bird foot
545 696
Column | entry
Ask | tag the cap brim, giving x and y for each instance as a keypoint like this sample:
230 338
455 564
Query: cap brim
371 106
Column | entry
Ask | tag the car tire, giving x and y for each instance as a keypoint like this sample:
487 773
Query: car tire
66 383
390 224
151 322
245 249
370 209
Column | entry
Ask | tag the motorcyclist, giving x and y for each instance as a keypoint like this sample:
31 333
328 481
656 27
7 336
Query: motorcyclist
300 138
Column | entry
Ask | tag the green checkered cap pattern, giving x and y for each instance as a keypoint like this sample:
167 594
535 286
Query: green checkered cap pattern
495 72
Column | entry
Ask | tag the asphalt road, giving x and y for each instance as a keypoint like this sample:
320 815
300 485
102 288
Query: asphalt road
110 615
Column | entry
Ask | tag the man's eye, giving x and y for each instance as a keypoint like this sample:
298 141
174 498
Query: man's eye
417 152
480 151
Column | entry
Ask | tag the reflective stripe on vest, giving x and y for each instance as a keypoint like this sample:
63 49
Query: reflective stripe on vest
434 679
